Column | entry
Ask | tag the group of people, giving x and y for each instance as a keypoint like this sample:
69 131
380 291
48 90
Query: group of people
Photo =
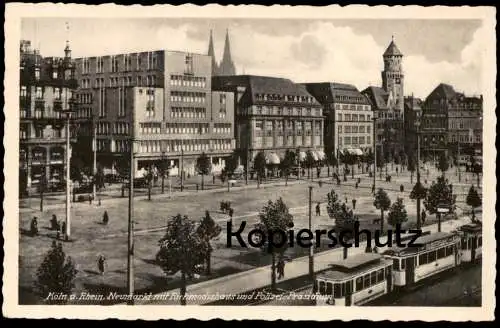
55 225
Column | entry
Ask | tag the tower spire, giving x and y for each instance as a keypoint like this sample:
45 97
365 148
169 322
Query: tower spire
67 49
211 53
227 65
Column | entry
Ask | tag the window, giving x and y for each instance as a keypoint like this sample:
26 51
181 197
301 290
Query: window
432 256
380 275
23 93
373 277
366 281
37 73
441 253
57 93
54 74
359 283
100 64
39 93
188 67
395 264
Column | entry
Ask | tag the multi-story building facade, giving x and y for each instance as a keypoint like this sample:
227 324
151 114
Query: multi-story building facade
451 121
388 102
273 115
413 113
163 99
46 89
348 118
465 125
434 127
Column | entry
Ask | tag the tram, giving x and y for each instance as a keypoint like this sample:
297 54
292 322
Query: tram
438 252
354 281
472 242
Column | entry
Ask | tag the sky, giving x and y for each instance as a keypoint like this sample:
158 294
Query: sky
346 51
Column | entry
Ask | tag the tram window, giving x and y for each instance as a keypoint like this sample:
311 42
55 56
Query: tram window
464 243
449 250
322 288
422 259
366 281
474 243
329 288
380 275
342 289
315 287
403 264
432 256
349 287
441 253
373 277
395 264
337 293
359 283
480 241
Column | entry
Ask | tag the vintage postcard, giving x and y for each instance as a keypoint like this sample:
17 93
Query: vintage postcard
249 162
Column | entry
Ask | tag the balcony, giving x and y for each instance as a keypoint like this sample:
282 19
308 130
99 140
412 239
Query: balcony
39 104
57 105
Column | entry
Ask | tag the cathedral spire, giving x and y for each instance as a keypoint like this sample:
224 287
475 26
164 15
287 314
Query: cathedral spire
227 65
211 53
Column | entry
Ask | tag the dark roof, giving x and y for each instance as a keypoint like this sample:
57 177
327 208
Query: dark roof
377 96
328 92
413 103
442 91
392 50
471 227
423 240
339 273
255 84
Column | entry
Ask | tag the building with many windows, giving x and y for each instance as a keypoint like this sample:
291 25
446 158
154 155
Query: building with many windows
161 98
413 112
46 89
451 120
388 102
348 118
273 115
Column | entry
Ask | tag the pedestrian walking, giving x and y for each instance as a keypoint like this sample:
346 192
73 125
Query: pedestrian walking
63 228
34 226
53 222
423 216
373 188
320 183
354 203
213 179
90 199
105 218
318 210
356 185
231 212
101 263
281 268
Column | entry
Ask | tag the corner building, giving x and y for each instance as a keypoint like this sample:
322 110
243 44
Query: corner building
163 99
46 88
273 115
348 118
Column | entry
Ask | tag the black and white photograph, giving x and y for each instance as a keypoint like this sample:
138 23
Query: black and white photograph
227 158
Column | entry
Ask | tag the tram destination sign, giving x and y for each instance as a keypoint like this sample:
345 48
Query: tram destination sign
438 243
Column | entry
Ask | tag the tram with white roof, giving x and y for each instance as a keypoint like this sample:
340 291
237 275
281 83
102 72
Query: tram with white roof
472 242
354 281
439 251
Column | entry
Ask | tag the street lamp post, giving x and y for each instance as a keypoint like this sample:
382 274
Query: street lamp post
67 111
311 248
130 257
94 150
182 169
458 157
374 150
163 171
417 125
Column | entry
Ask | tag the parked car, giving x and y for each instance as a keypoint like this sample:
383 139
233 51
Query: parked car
84 189
138 183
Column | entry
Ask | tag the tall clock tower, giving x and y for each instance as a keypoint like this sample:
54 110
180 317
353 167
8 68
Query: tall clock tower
393 77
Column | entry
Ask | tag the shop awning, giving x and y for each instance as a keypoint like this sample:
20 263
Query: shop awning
302 156
272 158
355 151
314 155
321 155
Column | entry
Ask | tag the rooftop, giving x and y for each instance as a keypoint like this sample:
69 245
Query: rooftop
423 240
353 266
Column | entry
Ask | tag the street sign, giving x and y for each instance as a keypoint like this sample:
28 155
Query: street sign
443 208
